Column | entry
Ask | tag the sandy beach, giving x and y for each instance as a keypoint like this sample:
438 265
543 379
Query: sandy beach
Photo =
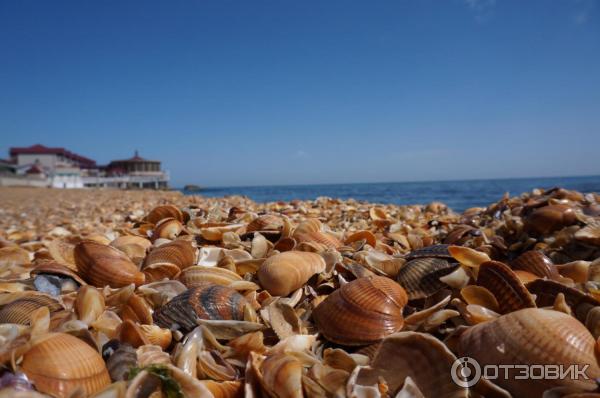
188 296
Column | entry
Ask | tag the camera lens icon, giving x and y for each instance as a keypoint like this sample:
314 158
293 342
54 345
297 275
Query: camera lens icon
465 372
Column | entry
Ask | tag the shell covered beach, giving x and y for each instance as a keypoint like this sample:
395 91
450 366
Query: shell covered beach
112 293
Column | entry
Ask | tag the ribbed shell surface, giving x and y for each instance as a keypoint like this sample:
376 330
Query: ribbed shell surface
180 253
440 251
420 277
362 311
102 265
285 272
532 336
505 285
537 263
19 311
165 211
62 363
205 301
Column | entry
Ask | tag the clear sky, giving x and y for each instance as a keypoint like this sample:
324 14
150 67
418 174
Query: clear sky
292 92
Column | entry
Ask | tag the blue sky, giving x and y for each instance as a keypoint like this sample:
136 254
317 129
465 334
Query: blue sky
293 92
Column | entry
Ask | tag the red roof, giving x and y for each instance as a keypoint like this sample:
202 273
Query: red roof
136 158
44 150
34 170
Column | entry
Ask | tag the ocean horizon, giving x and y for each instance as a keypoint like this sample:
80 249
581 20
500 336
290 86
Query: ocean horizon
457 194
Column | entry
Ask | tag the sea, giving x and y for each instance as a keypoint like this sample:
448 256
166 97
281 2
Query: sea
459 195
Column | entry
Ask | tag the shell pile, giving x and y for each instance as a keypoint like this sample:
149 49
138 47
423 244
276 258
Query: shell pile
137 294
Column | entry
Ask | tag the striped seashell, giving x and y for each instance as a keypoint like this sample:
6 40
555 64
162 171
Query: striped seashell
267 222
165 211
508 289
20 310
421 276
546 291
283 273
197 275
537 263
362 311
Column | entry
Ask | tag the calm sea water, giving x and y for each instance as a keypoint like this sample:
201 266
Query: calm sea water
459 195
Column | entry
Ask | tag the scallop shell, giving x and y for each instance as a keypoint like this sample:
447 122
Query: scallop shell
421 276
508 289
197 275
283 273
206 301
362 311
162 212
102 265
537 263
532 336
60 363
19 310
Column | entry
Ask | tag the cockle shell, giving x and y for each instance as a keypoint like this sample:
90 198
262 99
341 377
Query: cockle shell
550 218
205 301
283 273
532 336
506 287
179 252
546 291
89 304
317 237
193 276
267 222
537 263
167 228
137 309
55 268
367 236
440 251
14 255
362 311
59 364
162 212
102 265
19 310
421 276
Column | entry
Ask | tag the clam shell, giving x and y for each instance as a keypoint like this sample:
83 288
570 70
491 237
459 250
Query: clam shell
102 265
440 251
60 363
508 289
89 304
167 228
137 309
362 311
318 237
550 218
205 301
532 336
267 222
157 335
422 357
362 235
537 263
421 276
283 273
197 275
546 291
20 310
162 212
55 268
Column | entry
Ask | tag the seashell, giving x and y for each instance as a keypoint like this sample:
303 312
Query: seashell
440 251
135 247
479 295
14 255
502 282
467 256
137 309
205 301
267 222
157 335
589 234
152 355
525 277
159 293
362 311
281 376
58 364
283 273
532 336
546 291
165 211
260 246
120 360
309 225
19 311
214 232
365 235
102 265
377 213
62 252
420 276
547 219
210 256
167 228
320 238
577 271
193 276
159 272
130 333
224 389
285 244
89 304
54 268
537 263
419 356
180 253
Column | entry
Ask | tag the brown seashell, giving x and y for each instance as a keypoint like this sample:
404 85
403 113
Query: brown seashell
165 211
479 295
440 251
197 275
55 268
89 304
135 247
267 222
547 219
421 276
137 310
13 255
120 362
362 235
546 291
131 333
589 234
362 311
537 263
318 237
224 389
309 225
283 273
158 272
510 292
167 228
205 301
532 336
20 310
285 244
102 265
422 357
62 252
59 364
157 335
525 277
